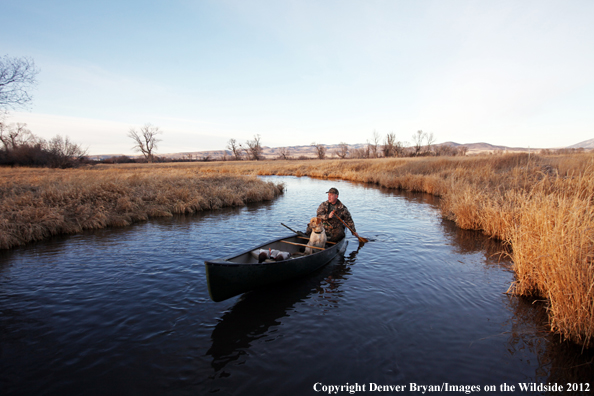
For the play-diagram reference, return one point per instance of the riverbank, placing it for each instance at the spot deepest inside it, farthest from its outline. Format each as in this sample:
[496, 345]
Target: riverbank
[542, 206]
[38, 203]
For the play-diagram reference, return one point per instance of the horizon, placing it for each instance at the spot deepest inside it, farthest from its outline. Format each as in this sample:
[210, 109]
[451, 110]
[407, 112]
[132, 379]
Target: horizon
[507, 73]
[309, 149]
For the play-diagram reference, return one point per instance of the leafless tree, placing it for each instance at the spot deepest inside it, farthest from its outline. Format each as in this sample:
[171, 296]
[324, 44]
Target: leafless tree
[342, 151]
[17, 76]
[363, 152]
[429, 140]
[13, 136]
[400, 148]
[374, 145]
[444, 150]
[389, 146]
[418, 139]
[254, 148]
[320, 150]
[235, 148]
[65, 153]
[284, 153]
[145, 140]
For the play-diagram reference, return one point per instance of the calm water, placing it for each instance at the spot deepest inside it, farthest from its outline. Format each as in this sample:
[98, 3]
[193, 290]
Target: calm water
[126, 311]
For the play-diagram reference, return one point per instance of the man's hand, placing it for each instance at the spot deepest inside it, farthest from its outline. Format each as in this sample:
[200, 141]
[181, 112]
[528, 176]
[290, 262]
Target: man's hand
[331, 215]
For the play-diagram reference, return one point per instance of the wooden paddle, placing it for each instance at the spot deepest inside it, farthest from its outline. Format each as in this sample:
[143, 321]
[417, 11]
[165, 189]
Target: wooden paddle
[304, 236]
[361, 239]
[304, 245]
[296, 232]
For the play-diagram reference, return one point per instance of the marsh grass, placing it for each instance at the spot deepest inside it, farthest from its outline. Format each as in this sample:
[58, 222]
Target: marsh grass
[38, 203]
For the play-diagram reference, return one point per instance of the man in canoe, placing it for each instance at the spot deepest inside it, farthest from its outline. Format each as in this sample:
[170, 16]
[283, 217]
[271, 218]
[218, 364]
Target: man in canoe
[331, 211]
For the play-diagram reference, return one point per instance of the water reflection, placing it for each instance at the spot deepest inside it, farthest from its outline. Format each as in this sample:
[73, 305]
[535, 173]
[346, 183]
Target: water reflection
[471, 241]
[557, 361]
[257, 313]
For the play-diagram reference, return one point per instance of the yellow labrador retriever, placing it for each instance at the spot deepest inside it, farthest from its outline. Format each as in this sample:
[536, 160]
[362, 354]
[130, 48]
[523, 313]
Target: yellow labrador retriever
[318, 235]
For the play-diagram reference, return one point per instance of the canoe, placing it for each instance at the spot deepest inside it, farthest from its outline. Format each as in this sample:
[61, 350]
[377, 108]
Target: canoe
[230, 276]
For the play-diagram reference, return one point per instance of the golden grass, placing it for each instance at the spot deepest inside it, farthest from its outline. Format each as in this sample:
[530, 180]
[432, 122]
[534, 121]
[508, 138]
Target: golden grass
[542, 206]
[38, 203]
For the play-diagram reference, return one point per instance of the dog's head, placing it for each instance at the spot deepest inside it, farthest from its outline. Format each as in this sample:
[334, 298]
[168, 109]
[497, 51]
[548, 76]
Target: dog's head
[316, 225]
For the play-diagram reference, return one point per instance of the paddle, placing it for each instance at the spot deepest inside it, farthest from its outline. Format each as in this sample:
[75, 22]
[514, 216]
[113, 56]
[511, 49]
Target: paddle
[304, 236]
[361, 239]
[296, 232]
[302, 244]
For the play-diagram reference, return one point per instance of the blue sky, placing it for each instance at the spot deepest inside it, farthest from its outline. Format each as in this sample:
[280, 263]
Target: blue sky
[514, 73]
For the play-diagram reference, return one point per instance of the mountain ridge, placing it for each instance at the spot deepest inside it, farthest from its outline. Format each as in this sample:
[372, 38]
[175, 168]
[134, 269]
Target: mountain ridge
[309, 151]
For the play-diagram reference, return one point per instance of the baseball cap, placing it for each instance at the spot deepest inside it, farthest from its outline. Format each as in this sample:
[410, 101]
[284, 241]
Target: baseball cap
[333, 191]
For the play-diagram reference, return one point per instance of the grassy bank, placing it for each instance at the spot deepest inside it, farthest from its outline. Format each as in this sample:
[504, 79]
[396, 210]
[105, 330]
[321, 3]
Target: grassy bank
[38, 203]
[542, 206]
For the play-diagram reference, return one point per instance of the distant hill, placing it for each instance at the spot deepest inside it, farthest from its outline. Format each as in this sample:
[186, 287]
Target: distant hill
[309, 151]
[269, 152]
[586, 144]
[475, 148]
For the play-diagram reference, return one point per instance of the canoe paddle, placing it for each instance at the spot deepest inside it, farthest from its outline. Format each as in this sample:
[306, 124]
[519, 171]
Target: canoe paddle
[296, 232]
[361, 239]
[303, 235]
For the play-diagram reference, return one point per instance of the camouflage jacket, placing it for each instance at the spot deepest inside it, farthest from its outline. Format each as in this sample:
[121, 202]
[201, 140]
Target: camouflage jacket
[334, 228]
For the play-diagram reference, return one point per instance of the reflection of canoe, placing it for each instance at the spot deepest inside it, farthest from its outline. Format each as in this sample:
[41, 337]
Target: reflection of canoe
[230, 276]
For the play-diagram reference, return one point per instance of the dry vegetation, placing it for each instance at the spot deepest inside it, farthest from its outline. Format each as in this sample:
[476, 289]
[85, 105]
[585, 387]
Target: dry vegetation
[38, 203]
[542, 206]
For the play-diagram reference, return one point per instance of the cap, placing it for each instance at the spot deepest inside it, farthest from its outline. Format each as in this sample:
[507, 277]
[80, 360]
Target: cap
[333, 191]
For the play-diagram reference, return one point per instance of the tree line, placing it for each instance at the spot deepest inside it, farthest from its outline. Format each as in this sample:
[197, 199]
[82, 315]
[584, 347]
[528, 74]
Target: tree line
[19, 145]
[388, 146]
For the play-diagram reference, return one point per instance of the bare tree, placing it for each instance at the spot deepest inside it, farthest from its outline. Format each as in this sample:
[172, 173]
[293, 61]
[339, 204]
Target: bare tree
[389, 145]
[429, 139]
[342, 151]
[320, 150]
[145, 140]
[284, 153]
[13, 136]
[254, 148]
[363, 152]
[374, 145]
[418, 142]
[65, 154]
[235, 148]
[17, 75]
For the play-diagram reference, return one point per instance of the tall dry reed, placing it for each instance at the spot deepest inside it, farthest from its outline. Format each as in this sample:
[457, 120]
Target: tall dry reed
[38, 203]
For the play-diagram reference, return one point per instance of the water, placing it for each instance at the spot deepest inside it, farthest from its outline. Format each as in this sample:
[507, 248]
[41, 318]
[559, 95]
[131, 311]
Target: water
[126, 310]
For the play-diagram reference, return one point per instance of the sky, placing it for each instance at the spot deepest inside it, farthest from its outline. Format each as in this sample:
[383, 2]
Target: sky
[512, 73]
